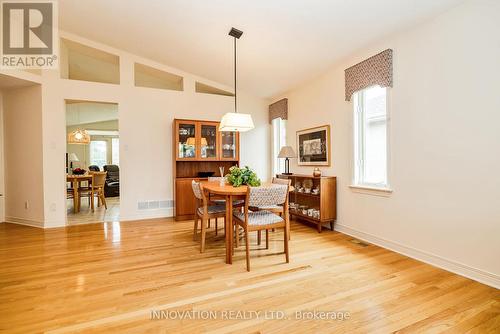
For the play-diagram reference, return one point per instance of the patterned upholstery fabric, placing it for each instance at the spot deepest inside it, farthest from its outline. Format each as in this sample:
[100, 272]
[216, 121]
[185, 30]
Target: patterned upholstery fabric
[278, 109]
[376, 70]
[213, 209]
[270, 195]
[259, 218]
[196, 189]
[223, 202]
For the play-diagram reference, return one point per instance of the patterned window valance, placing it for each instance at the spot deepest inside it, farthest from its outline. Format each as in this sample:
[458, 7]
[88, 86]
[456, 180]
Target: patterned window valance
[278, 109]
[376, 70]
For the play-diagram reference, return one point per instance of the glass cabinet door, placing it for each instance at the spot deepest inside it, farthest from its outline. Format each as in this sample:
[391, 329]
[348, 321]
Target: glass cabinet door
[187, 140]
[229, 145]
[208, 143]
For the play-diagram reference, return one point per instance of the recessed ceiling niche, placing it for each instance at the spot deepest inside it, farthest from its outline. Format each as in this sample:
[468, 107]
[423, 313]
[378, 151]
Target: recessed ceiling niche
[146, 76]
[81, 62]
[206, 89]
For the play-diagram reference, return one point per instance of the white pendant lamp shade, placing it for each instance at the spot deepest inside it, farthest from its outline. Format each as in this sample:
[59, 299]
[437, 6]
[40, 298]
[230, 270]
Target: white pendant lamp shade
[236, 122]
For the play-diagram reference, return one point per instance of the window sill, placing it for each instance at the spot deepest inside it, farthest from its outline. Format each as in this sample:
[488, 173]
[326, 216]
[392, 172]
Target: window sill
[376, 191]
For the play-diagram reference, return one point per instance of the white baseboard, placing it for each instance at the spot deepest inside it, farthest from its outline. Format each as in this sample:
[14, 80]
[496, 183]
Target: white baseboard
[23, 221]
[435, 260]
[149, 214]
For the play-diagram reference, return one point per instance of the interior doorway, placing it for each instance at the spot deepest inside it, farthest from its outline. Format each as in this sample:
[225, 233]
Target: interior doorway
[92, 162]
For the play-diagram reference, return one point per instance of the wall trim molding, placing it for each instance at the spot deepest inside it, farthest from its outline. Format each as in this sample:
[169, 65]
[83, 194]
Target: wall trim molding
[432, 259]
[24, 221]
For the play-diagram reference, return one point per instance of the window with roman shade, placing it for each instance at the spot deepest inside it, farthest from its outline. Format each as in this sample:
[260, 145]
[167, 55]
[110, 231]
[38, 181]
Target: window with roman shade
[278, 109]
[376, 70]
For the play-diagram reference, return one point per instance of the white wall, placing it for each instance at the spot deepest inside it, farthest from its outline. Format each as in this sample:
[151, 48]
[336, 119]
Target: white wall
[2, 183]
[145, 118]
[445, 142]
[23, 155]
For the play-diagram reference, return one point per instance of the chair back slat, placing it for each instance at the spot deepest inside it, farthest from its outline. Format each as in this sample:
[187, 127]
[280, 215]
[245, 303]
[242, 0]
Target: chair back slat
[274, 194]
[277, 180]
[98, 179]
[196, 189]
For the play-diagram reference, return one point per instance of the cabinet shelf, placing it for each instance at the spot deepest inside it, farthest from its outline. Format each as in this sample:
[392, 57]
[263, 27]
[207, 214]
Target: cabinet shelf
[325, 201]
[318, 196]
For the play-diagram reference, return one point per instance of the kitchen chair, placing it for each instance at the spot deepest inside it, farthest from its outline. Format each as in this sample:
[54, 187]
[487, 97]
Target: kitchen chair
[96, 188]
[277, 209]
[205, 212]
[275, 194]
[220, 201]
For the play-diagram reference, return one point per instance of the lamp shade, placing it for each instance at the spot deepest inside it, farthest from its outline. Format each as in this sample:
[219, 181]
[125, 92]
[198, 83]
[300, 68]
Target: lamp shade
[78, 137]
[73, 157]
[236, 122]
[204, 141]
[287, 152]
[191, 141]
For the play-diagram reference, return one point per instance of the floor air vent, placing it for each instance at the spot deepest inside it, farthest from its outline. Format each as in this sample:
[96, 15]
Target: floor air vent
[359, 242]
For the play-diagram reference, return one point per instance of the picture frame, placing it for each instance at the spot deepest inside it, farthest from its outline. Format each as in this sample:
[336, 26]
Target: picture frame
[313, 146]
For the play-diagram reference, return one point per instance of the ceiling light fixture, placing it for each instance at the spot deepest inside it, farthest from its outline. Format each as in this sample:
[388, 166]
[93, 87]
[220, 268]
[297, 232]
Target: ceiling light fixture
[79, 136]
[233, 121]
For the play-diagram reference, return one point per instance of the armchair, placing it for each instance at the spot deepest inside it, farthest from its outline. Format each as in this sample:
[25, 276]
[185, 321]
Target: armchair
[112, 185]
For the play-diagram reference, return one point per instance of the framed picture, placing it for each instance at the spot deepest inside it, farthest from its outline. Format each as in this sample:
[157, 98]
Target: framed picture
[314, 146]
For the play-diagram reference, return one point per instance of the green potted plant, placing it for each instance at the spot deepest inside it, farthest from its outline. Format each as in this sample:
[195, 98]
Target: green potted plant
[240, 176]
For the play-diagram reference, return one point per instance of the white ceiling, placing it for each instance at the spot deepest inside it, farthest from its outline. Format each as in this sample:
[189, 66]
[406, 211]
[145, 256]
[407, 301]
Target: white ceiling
[284, 43]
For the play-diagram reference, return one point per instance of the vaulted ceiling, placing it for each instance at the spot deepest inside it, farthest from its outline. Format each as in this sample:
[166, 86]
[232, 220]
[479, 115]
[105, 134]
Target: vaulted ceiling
[285, 42]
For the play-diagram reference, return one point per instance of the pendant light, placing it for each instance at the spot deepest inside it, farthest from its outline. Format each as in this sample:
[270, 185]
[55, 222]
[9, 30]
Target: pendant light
[234, 121]
[79, 136]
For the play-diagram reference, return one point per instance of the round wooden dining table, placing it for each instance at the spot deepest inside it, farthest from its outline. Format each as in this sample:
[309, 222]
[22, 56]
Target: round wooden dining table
[229, 193]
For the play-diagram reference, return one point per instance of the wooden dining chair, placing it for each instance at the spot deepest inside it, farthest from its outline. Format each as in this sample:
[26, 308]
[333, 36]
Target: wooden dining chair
[95, 189]
[276, 194]
[277, 209]
[204, 212]
[237, 203]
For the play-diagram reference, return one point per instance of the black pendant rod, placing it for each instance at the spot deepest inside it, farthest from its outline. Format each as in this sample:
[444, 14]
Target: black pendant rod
[236, 34]
[235, 105]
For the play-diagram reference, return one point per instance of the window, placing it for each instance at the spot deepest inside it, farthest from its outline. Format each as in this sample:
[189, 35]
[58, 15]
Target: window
[98, 153]
[370, 138]
[115, 151]
[279, 140]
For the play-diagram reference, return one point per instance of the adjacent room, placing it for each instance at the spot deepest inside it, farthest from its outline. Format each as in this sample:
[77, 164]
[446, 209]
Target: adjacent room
[92, 162]
[285, 166]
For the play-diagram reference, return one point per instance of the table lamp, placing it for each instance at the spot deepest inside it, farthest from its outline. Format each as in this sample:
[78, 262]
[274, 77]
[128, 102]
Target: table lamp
[287, 152]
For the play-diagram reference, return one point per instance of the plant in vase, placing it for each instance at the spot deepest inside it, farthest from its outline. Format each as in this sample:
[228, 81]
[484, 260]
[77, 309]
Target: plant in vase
[239, 176]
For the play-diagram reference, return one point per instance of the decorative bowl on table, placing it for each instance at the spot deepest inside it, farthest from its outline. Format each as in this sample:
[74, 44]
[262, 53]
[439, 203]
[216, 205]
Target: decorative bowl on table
[79, 171]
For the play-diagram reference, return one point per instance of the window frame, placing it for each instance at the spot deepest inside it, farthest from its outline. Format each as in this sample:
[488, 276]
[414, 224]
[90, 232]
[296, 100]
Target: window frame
[357, 185]
[278, 163]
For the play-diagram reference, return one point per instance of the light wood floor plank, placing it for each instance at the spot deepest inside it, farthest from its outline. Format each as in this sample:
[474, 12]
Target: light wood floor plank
[102, 278]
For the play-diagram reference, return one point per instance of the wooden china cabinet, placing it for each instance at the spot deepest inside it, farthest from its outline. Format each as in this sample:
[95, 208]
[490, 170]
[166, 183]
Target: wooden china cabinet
[199, 148]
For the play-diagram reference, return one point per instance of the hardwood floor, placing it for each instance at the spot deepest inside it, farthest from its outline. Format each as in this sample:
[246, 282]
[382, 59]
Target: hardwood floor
[100, 214]
[107, 278]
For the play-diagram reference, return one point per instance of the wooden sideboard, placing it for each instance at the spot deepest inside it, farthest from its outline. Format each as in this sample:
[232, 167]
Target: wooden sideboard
[199, 146]
[325, 201]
